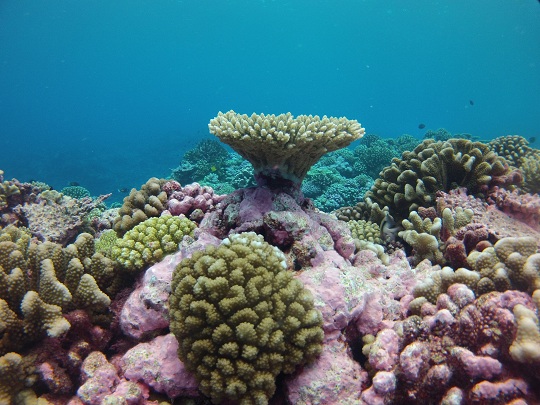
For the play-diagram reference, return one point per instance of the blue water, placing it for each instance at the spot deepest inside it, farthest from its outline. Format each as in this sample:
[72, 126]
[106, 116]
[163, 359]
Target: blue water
[110, 93]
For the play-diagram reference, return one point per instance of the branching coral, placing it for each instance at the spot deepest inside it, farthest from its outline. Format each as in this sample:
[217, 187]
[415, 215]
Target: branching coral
[39, 282]
[140, 205]
[412, 181]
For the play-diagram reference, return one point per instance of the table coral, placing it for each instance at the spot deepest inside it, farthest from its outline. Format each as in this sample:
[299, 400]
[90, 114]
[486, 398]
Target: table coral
[283, 146]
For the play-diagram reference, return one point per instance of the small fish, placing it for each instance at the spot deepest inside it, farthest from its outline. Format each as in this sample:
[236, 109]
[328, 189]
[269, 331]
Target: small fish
[74, 183]
[421, 126]
[123, 190]
[532, 139]
[471, 102]
[213, 168]
[389, 228]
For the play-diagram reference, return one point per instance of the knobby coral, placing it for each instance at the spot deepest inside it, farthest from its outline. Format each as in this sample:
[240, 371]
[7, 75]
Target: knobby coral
[241, 318]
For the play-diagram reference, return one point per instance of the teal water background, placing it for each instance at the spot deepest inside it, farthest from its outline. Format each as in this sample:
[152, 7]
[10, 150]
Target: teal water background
[110, 93]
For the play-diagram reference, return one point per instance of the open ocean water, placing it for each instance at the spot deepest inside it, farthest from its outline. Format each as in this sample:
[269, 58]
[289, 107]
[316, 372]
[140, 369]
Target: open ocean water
[110, 93]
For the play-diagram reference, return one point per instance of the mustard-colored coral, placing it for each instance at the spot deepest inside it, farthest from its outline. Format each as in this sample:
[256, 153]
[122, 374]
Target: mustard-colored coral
[39, 282]
[150, 241]
[423, 236]
[140, 205]
[241, 319]
[526, 346]
[283, 146]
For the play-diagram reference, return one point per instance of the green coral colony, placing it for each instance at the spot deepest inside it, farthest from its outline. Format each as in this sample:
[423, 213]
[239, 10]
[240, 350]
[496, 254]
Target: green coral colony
[241, 318]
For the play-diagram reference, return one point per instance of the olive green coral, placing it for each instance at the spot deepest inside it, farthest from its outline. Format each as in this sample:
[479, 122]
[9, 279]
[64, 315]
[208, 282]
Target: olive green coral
[241, 319]
[140, 205]
[150, 241]
[511, 264]
[412, 181]
[284, 146]
[39, 282]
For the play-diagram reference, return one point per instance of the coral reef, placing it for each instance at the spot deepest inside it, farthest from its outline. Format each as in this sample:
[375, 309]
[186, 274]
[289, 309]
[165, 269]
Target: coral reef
[263, 298]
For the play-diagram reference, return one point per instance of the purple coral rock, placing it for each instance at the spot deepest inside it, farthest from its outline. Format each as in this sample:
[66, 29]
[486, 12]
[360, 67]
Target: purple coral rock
[384, 351]
[333, 378]
[100, 378]
[476, 367]
[156, 364]
[492, 392]
[384, 382]
[414, 360]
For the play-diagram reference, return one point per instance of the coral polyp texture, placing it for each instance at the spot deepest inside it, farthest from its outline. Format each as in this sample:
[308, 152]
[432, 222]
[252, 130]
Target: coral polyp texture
[412, 181]
[140, 205]
[283, 146]
[150, 241]
[241, 319]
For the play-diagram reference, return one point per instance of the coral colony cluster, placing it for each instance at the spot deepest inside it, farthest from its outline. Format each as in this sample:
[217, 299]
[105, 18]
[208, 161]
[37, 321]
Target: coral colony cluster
[397, 272]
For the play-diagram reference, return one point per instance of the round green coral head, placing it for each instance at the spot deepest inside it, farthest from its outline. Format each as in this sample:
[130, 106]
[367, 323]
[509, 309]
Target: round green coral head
[241, 318]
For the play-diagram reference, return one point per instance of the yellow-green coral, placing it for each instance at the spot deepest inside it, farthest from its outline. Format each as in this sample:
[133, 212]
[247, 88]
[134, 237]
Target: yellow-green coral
[106, 242]
[513, 148]
[150, 241]
[365, 230]
[241, 319]
[526, 346]
[282, 145]
[530, 166]
[16, 374]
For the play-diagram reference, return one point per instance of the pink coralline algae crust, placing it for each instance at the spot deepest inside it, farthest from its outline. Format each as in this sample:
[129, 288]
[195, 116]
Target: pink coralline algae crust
[146, 310]
[333, 378]
[499, 224]
[156, 364]
[99, 379]
[192, 200]
[523, 207]
[102, 385]
[286, 221]
[367, 295]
